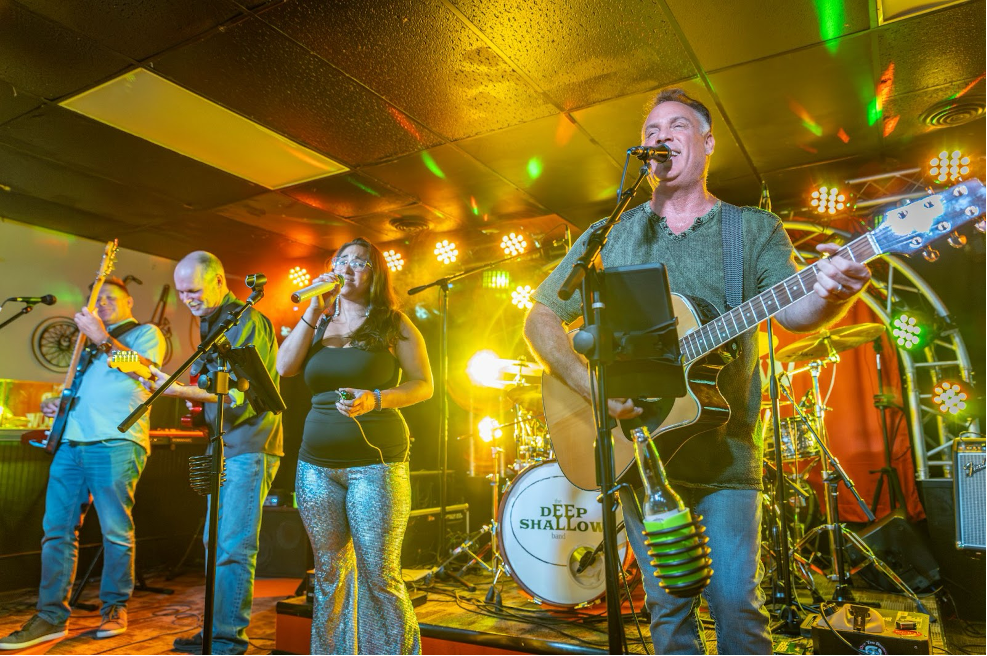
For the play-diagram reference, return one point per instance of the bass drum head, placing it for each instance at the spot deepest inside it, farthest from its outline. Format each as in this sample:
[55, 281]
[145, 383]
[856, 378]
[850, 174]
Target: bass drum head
[545, 526]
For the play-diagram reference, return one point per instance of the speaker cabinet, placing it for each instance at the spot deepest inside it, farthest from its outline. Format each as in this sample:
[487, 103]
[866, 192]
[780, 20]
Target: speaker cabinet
[285, 551]
[903, 548]
[970, 492]
[422, 539]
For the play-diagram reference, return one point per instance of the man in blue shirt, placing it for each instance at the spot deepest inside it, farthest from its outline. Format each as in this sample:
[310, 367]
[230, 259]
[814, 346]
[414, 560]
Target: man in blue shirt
[252, 449]
[97, 465]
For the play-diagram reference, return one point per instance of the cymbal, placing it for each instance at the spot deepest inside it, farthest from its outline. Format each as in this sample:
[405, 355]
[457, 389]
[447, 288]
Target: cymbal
[762, 343]
[818, 345]
[526, 396]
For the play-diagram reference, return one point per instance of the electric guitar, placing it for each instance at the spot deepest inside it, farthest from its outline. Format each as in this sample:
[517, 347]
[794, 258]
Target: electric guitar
[70, 389]
[571, 424]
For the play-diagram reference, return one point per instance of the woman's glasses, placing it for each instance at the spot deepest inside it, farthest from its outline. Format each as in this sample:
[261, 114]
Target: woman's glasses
[354, 263]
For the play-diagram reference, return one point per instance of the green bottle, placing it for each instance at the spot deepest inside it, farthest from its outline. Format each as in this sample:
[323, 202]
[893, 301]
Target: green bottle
[675, 541]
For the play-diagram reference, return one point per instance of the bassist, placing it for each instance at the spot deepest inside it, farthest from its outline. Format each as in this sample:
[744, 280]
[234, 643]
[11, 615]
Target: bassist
[95, 465]
[718, 473]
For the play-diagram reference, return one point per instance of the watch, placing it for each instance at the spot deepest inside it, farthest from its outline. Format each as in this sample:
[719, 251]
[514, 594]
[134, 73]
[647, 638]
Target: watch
[106, 345]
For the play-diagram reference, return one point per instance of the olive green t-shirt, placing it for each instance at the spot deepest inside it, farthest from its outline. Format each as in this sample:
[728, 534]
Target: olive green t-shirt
[729, 456]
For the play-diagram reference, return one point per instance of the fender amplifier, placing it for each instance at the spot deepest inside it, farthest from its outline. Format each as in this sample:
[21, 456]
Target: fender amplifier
[970, 492]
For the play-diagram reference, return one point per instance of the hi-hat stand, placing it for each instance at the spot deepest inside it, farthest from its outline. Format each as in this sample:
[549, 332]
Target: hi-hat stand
[832, 475]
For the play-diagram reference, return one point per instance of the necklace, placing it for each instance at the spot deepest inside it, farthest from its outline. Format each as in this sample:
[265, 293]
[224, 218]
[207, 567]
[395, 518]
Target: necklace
[336, 312]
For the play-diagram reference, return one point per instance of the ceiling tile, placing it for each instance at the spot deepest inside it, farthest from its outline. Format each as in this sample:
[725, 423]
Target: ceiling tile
[56, 216]
[261, 74]
[905, 111]
[26, 174]
[14, 102]
[583, 51]
[459, 186]
[802, 102]
[616, 126]
[384, 224]
[48, 60]
[137, 28]
[724, 33]
[349, 194]
[554, 164]
[58, 134]
[436, 68]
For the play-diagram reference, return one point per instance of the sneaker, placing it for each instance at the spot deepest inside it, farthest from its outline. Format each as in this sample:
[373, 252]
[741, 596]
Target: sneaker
[190, 644]
[114, 622]
[35, 631]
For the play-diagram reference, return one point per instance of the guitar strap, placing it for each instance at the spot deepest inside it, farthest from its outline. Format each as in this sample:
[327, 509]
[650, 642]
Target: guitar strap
[732, 227]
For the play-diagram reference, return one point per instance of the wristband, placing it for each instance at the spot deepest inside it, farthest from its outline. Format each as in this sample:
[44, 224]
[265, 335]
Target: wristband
[307, 323]
[377, 401]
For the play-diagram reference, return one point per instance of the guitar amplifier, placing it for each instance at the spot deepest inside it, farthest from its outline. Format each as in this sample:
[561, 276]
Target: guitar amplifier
[970, 492]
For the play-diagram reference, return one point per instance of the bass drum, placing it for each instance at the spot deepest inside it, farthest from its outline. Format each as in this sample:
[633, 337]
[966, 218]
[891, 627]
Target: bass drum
[546, 526]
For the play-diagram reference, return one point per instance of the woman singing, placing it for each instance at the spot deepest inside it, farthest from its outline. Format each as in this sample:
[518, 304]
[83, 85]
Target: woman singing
[353, 485]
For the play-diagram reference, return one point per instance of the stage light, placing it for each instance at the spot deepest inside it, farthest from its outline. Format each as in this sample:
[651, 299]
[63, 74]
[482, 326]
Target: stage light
[911, 330]
[828, 200]
[445, 251]
[484, 368]
[521, 297]
[299, 277]
[495, 279]
[949, 167]
[950, 398]
[394, 260]
[513, 244]
[489, 429]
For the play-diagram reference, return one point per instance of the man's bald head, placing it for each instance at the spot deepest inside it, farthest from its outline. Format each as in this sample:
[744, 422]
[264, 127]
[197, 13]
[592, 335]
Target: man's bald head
[200, 281]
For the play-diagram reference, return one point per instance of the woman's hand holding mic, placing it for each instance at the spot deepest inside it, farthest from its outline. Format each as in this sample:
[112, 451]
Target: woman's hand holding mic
[355, 402]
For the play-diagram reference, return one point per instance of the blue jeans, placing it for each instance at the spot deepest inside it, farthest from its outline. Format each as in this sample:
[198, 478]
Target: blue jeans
[103, 474]
[241, 500]
[733, 524]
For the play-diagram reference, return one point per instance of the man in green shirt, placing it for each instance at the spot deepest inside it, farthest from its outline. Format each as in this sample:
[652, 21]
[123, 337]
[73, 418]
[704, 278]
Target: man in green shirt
[718, 474]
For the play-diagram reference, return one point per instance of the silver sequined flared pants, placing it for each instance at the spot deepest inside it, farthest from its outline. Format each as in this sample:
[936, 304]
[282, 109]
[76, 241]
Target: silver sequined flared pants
[356, 519]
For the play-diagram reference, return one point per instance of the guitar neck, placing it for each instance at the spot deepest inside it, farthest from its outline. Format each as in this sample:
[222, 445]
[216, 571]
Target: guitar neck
[742, 318]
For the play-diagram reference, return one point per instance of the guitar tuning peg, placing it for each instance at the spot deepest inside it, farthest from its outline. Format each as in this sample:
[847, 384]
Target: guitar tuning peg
[930, 254]
[956, 240]
[981, 225]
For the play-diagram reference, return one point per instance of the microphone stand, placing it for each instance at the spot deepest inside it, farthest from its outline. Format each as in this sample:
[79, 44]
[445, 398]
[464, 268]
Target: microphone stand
[597, 345]
[24, 310]
[218, 383]
[444, 284]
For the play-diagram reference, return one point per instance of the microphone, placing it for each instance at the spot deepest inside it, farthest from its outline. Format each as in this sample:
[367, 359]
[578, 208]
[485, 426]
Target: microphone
[47, 299]
[659, 153]
[317, 289]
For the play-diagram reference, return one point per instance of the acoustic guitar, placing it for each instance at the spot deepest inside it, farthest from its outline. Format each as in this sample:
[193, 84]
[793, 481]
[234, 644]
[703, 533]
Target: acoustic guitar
[705, 344]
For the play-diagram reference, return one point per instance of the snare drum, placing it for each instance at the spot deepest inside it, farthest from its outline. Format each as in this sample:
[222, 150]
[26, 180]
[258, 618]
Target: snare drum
[796, 440]
[546, 525]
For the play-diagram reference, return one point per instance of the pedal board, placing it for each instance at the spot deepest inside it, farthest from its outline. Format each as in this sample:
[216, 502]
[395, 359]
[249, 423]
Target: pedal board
[869, 631]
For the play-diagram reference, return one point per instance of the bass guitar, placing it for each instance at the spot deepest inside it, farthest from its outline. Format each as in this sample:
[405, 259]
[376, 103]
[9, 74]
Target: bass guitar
[571, 424]
[52, 437]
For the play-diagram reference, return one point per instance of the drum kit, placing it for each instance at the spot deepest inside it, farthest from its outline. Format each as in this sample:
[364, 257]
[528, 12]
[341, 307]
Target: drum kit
[546, 533]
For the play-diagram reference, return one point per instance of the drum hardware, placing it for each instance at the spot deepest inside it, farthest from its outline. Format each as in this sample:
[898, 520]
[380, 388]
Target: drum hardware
[895, 496]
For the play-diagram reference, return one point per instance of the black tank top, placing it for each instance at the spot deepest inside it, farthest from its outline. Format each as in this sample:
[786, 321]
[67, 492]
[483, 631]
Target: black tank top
[332, 439]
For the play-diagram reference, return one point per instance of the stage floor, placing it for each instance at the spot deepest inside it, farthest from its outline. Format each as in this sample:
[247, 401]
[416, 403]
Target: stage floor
[451, 614]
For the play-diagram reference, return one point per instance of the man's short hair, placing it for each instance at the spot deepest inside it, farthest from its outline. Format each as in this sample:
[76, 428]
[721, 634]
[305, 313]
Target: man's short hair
[116, 282]
[674, 94]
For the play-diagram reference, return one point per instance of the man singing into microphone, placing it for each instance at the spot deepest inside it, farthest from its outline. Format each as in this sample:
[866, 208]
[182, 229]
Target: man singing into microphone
[253, 450]
[717, 473]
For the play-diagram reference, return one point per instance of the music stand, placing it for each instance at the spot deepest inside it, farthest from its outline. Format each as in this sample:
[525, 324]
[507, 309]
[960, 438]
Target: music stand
[596, 341]
[206, 472]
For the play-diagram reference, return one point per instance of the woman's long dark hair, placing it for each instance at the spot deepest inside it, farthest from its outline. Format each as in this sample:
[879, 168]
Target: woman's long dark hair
[382, 329]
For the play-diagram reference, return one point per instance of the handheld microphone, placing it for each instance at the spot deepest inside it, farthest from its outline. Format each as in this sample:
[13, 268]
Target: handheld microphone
[317, 289]
[47, 299]
[659, 153]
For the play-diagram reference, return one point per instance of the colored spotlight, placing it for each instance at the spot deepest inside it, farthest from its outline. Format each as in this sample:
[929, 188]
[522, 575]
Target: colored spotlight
[521, 297]
[299, 277]
[513, 244]
[949, 167]
[911, 331]
[489, 429]
[483, 369]
[828, 200]
[496, 279]
[394, 260]
[446, 252]
[950, 398]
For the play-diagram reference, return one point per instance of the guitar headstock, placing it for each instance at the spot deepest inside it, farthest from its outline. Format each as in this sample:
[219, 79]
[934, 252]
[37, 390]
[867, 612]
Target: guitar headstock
[128, 362]
[912, 227]
[109, 260]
